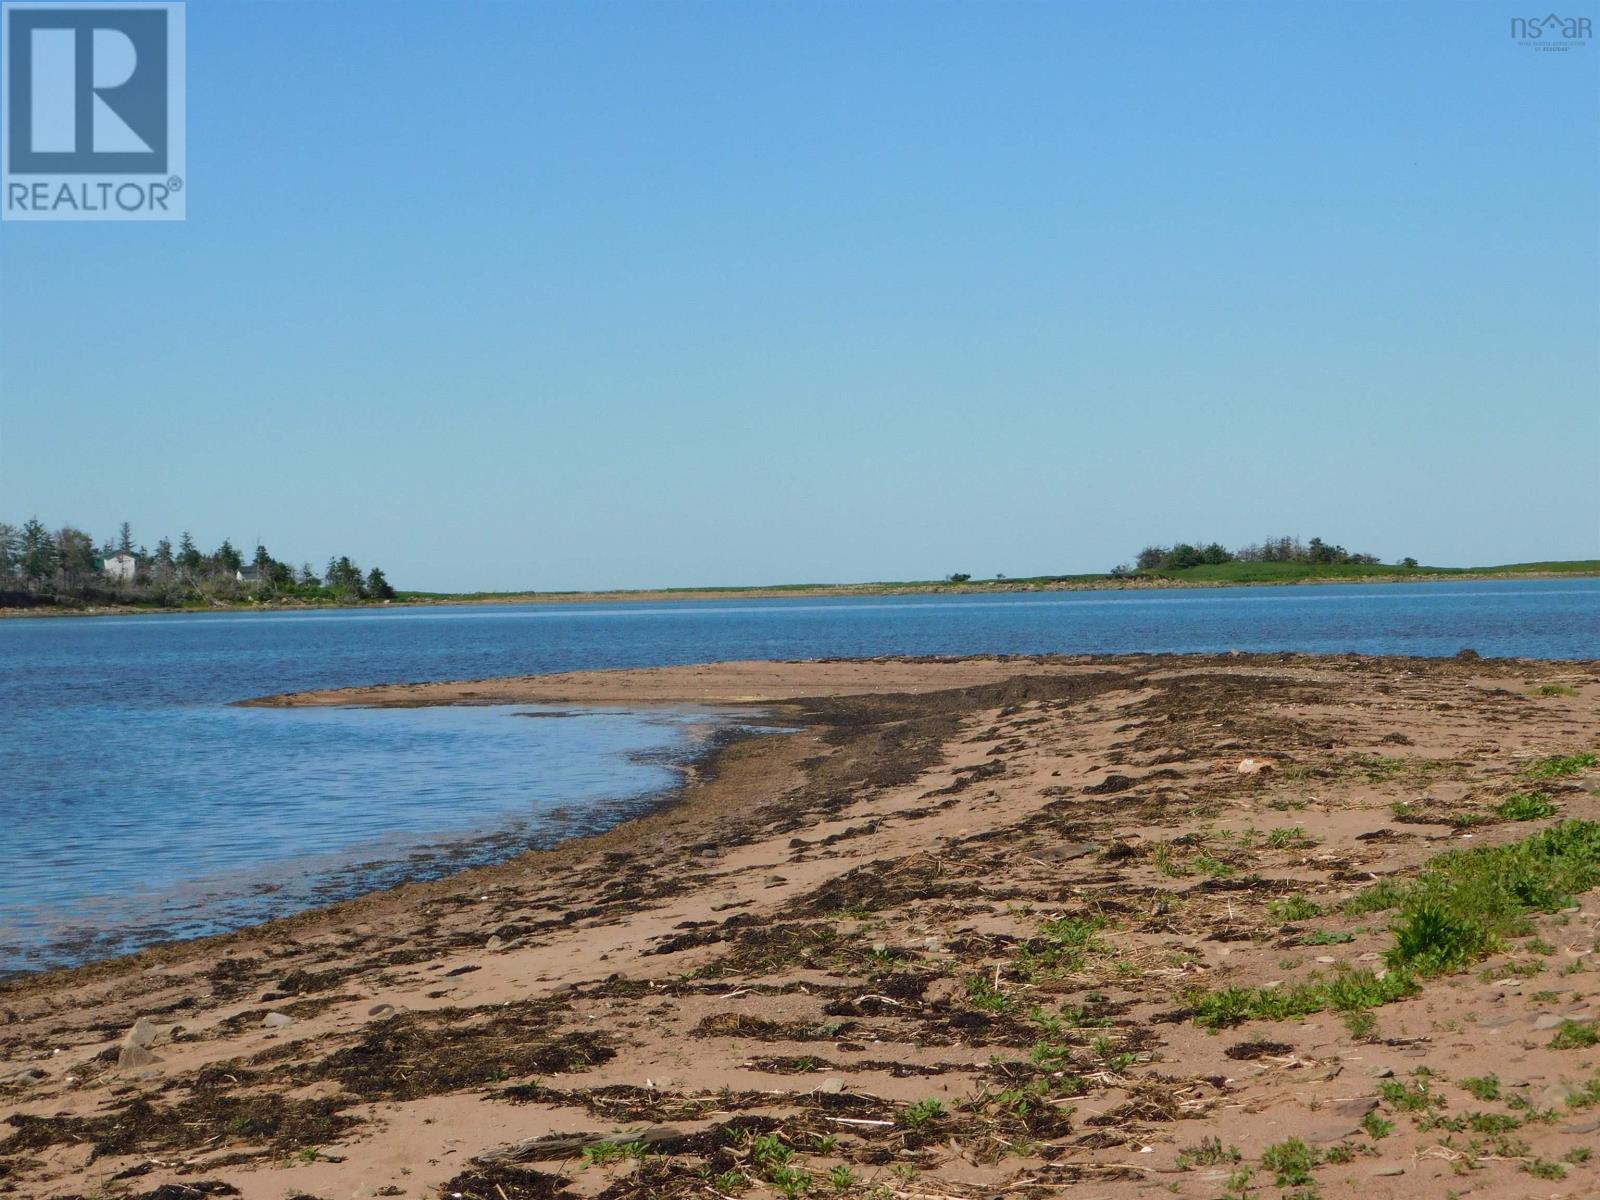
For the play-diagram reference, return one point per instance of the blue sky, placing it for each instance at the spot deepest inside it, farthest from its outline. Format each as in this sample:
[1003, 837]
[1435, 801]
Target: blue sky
[578, 295]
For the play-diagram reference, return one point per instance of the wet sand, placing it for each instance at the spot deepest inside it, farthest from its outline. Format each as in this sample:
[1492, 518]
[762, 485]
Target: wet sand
[997, 884]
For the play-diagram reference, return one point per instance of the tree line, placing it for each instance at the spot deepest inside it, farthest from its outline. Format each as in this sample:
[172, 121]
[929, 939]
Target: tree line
[38, 564]
[1182, 555]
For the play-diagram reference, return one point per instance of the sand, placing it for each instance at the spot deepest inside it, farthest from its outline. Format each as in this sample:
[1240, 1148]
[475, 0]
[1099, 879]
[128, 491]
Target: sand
[998, 885]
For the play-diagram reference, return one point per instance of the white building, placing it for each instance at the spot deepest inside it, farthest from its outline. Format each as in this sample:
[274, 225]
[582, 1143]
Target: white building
[120, 567]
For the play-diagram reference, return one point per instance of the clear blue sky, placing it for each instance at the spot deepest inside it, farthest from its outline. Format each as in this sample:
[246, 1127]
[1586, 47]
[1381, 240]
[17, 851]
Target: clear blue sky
[566, 294]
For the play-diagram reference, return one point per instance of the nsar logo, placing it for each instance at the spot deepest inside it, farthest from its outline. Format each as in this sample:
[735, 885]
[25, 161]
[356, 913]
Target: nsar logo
[1551, 32]
[92, 112]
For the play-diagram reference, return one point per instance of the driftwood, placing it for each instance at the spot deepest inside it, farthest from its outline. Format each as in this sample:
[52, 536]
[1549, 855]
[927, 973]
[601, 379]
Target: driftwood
[565, 1145]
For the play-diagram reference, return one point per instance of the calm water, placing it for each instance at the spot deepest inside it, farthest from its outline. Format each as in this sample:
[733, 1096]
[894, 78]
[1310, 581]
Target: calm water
[136, 804]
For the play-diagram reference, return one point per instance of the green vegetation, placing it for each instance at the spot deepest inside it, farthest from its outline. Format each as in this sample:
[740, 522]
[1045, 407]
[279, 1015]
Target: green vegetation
[1347, 991]
[1363, 1026]
[40, 568]
[1482, 1087]
[984, 996]
[1288, 560]
[1576, 1035]
[603, 1153]
[915, 1116]
[1413, 1097]
[1554, 689]
[1291, 1162]
[1558, 766]
[1377, 1126]
[1294, 908]
[1526, 806]
[1061, 946]
[1467, 901]
[1209, 1153]
[1459, 909]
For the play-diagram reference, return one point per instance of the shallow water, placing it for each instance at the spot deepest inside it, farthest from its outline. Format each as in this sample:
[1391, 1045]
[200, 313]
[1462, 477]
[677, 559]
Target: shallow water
[136, 804]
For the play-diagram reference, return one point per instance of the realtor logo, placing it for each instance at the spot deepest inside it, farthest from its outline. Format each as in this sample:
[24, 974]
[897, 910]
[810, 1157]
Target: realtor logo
[91, 111]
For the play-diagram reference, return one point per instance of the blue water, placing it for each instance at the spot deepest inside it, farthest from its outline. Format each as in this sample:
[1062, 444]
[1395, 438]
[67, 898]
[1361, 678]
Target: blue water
[136, 804]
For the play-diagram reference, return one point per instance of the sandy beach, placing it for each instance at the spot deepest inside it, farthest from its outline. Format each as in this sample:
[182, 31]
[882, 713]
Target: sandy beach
[968, 931]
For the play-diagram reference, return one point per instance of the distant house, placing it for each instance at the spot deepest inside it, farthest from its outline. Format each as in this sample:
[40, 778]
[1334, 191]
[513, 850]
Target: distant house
[250, 574]
[120, 567]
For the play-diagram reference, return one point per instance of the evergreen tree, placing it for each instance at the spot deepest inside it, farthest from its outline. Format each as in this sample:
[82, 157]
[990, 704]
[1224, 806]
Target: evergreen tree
[75, 556]
[188, 556]
[228, 559]
[343, 575]
[125, 539]
[38, 553]
[378, 587]
[263, 564]
[10, 550]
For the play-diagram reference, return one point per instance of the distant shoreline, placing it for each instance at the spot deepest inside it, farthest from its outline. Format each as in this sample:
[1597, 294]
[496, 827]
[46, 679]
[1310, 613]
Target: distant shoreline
[1098, 583]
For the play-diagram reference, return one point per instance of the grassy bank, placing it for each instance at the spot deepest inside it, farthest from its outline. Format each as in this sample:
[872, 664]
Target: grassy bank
[1211, 575]
[1218, 575]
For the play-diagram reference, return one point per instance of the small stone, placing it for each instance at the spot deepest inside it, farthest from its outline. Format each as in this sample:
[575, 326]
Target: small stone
[135, 1056]
[1383, 1072]
[276, 1020]
[1388, 1170]
[23, 1075]
[381, 1010]
[1557, 1095]
[145, 1032]
[1547, 1021]
[495, 942]
[1327, 959]
[1592, 1125]
[833, 1084]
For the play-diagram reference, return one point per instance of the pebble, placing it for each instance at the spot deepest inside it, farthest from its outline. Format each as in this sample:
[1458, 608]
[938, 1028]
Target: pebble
[145, 1032]
[135, 1056]
[1390, 1170]
[381, 1010]
[1383, 1072]
[1547, 1021]
[276, 1020]
[1556, 1095]
[23, 1075]
[1592, 1125]
[833, 1084]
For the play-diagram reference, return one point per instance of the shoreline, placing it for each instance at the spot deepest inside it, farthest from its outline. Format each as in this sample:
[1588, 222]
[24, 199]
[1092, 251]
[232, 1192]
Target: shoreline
[794, 937]
[787, 592]
[367, 872]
